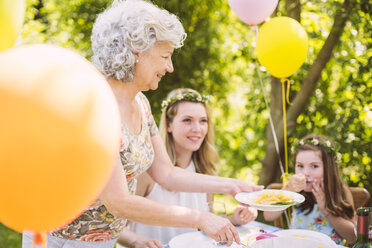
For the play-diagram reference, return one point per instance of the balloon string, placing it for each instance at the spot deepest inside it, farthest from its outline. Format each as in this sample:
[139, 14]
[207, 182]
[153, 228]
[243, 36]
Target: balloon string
[286, 80]
[285, 176]
[44, 241]
[256, 33]
[288, 215]
[39, 239]
[288, 87]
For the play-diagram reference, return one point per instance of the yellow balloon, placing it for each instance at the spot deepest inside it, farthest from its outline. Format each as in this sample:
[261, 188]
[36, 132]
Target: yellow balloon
[60, 135]
[282, 46]
[11, 19]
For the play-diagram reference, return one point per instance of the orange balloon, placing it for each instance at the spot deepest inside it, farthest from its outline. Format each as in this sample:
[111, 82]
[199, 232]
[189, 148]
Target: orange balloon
[60, 131]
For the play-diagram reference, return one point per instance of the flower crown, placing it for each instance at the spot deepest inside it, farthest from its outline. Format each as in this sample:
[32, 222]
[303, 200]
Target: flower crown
[316, 142]
[186, 96]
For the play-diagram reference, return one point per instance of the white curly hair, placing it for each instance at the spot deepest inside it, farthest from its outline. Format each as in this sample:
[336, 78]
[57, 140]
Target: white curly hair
[131, 26]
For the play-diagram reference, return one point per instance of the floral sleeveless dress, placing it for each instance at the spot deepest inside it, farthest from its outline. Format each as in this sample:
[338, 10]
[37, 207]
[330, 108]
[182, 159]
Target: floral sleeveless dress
[315, 221]
[137, 155]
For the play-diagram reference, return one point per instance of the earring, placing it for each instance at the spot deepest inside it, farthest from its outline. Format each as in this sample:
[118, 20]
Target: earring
[137, 61]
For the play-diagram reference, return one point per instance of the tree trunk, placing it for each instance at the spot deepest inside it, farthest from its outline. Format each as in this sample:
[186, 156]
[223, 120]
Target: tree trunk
[271, 172]
[293, 8]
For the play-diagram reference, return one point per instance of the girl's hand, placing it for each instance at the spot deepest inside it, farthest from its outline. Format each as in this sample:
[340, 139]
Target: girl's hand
[318, 191]
[218, 228]
[243, 214]
[296, 183]
[147, 243]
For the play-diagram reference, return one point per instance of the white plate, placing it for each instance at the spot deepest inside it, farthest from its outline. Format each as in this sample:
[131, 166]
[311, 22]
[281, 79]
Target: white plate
[291, 242]
[195, 239]
[249, 197]
[307, 234]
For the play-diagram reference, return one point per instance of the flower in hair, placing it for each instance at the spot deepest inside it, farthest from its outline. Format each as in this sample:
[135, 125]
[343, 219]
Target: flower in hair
[315, 142]
[193, 97]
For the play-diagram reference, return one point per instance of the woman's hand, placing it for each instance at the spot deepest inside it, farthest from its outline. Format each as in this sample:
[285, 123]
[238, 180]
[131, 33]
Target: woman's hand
[131, 239]
[296, 183]
[243, 214]
[218, 228]
[318, 191]
[237, 186]
[147, 243]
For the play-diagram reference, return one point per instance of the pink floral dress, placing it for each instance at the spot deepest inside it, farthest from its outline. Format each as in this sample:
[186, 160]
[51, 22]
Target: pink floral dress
[137, 155]
[315, 221]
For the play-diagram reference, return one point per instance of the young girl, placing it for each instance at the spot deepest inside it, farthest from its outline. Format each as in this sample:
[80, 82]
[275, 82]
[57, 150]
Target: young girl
[328, 205]
[186, 129]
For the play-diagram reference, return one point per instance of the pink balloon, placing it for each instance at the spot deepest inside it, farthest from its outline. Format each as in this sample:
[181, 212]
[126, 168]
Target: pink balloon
[253, 12]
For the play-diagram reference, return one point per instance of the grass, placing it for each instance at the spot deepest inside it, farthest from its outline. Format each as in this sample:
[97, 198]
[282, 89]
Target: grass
[9, 238]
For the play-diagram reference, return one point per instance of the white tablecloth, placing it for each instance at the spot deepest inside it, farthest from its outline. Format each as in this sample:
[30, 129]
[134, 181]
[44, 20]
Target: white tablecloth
[247, 233]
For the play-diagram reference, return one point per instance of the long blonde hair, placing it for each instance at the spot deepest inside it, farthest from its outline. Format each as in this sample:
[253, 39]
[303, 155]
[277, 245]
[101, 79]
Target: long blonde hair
[206, 157]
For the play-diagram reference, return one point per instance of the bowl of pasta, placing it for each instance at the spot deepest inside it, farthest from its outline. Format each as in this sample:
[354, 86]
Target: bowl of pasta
[270, 199]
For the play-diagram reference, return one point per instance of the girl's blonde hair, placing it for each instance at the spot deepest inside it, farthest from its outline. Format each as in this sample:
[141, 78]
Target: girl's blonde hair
[205, 158]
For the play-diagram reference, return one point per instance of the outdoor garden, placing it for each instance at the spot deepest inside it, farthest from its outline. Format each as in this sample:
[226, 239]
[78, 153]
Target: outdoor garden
[259, 108]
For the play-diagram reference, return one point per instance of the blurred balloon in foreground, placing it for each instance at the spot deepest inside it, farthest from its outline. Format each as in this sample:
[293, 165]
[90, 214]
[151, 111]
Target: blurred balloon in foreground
[282, 46]
[253, 12]
[12, 13]
[59, 134]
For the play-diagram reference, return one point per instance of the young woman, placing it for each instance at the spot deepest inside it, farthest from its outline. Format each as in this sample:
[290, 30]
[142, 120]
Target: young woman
[328, 205]
[132, 43]
[187, 131]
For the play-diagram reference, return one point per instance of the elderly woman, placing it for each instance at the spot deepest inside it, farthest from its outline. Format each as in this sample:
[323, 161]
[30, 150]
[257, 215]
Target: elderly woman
[133, 42]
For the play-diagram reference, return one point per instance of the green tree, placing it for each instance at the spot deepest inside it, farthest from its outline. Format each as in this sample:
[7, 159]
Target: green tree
[332, 91]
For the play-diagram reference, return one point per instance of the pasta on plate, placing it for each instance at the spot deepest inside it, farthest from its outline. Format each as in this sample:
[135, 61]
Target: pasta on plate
[271, 197]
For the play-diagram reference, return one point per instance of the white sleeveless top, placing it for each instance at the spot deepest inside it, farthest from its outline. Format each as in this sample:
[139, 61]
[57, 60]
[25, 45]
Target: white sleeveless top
[184, 199]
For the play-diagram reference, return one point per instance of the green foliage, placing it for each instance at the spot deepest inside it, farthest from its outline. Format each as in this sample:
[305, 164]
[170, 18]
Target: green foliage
[199, 64]
[341, 106]
[64, 23]
[219, 59]
[9, 238]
